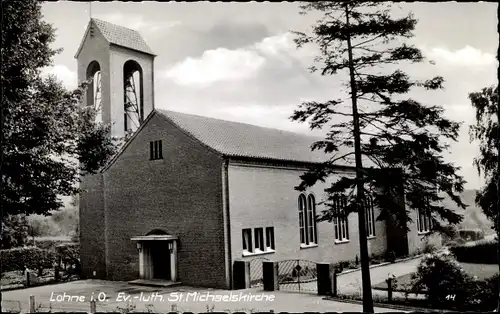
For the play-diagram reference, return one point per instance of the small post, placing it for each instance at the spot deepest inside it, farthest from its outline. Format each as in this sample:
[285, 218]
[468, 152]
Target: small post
[324, 278]
[270, 276]
[241, 275]
[32, 304]
[334, 282]
[389, 289]
[92, 307]
[27, 275]
[57, 274]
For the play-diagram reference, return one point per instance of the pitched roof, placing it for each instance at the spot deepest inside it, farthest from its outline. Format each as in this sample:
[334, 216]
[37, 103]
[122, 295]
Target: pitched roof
[119, 35]
[236, 139]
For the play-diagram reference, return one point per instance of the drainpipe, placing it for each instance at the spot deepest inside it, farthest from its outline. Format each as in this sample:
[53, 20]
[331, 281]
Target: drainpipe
[225, 201]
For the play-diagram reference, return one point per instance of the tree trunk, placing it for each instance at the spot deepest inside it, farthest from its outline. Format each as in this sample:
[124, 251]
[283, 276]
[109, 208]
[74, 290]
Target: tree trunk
[360, 195]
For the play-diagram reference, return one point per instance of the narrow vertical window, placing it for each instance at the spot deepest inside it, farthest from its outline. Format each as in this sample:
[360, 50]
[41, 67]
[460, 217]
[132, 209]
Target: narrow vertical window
[270, 238]
[340, 222]
[302, 219]
[247, 240]
[259, 239]
[369, 217]
[156, 149]
[311, 210]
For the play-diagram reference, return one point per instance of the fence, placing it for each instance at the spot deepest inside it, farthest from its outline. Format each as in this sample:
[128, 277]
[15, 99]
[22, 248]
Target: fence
[256, 273]
[297, 275]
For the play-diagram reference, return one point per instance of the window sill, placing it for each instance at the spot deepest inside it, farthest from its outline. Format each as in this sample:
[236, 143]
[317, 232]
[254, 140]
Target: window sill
[341, 241]
[423, 232]
[371, 237]
[308, 246]
[246, 253]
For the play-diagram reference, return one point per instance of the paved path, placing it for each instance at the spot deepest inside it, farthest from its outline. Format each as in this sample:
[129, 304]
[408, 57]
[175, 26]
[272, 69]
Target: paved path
[283, 301]
[350, 283]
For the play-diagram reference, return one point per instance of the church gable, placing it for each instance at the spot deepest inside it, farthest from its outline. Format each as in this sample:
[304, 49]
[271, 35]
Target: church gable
[158, 141]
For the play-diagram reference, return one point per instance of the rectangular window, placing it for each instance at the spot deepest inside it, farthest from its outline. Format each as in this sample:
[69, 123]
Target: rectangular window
[340, 223]
[155, 150]
[259, 239]
[270, 238]
[423, 221]
[369, 218]
[247, 240]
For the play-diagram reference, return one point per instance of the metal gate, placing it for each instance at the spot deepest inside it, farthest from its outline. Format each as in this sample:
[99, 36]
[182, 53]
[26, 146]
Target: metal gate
[297, 275]
[256, 273]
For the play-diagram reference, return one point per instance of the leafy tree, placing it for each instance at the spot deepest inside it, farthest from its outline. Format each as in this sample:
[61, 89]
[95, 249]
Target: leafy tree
[48, 138]
[15, 231]
[485, 131]
[398, 136]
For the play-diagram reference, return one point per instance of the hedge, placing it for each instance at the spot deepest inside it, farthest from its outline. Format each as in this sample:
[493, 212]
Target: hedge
[68, 252]
[471, 234]
[480, 253]
[50, 244]
[34, 258]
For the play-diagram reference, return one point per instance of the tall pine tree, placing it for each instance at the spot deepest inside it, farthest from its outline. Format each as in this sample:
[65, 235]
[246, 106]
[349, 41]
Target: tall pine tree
[399, 136]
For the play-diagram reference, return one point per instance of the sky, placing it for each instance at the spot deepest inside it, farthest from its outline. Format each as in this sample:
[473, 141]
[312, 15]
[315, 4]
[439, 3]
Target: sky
[238, 61]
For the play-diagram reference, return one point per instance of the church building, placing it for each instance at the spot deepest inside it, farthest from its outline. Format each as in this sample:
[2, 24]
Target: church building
[188, 195]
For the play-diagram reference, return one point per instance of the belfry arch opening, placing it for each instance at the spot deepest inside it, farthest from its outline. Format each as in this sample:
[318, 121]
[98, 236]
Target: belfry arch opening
[94, 89]
[133, 97]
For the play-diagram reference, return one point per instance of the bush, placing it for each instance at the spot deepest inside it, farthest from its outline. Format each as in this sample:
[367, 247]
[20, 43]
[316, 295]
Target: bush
[440, 276]
[471, 234]
[50, 244]
[429, 248]
[34, 258]
[481, 253]
[485, 294]
[68, 252]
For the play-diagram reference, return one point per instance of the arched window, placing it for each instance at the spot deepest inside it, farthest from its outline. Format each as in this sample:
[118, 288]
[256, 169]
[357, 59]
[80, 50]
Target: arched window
[369, 217]
[307, 220]
[94, 89]
[133, 96]
[311, 219]
[302, 219]
[340, 221]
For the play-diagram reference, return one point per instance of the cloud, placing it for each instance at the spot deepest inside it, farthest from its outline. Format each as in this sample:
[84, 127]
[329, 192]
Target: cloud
[137, 22]
[274, 45]
[216, 65]
[224, 64]
[63, 74]
[467, 56]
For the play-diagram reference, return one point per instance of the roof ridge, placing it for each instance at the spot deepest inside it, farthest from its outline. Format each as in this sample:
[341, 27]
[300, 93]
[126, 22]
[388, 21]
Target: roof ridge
[164, 111]
[116, 25]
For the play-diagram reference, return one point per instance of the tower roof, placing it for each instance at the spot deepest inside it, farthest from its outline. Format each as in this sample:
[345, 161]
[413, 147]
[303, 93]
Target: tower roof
[119, 36]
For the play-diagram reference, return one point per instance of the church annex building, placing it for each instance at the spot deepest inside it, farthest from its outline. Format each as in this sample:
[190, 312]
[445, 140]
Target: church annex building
[188, 195]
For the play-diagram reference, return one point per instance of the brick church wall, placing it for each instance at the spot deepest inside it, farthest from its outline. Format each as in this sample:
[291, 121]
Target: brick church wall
[181, 194]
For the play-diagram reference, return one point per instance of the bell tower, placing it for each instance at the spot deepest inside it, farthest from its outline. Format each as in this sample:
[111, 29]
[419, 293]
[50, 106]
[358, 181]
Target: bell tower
[120, 65]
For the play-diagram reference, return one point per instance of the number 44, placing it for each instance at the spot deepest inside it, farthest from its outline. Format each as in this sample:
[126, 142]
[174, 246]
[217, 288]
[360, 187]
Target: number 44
[450, 297]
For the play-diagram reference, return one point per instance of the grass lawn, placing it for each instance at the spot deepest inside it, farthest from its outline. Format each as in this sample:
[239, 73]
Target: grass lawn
[482, 271]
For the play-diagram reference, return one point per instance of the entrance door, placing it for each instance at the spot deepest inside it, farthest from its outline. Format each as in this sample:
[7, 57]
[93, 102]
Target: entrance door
[160, 256]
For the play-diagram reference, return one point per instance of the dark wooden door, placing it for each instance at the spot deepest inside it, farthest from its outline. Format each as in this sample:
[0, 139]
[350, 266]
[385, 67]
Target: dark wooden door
[160, 255]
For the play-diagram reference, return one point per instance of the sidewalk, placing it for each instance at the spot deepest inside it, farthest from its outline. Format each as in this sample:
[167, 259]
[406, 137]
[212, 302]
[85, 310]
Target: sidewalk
[282, 301]
[350, 283]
